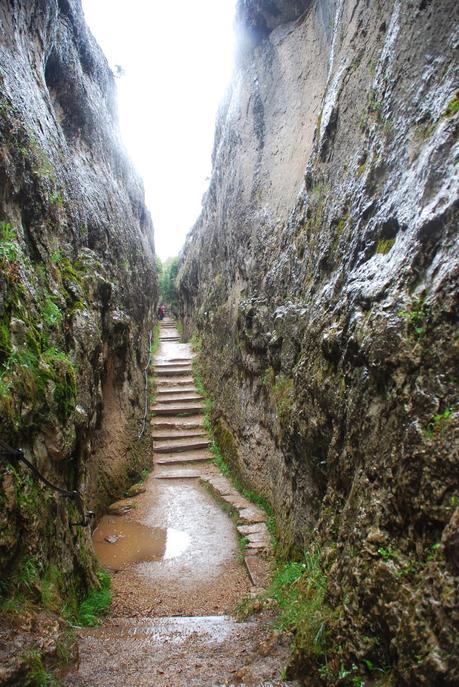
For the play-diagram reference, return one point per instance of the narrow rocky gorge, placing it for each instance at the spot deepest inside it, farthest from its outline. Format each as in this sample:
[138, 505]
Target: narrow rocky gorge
[320, 287]
[322, 276]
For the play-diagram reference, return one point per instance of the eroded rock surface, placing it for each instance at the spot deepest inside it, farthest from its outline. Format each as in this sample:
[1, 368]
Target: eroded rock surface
[323, 271]
[77, 285]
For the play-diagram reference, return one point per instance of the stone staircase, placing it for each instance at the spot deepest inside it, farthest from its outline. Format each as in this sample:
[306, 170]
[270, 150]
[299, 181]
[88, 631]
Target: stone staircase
[180, 441]
[202, 651]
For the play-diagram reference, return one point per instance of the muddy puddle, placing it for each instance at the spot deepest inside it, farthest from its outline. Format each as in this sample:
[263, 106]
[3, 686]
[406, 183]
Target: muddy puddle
[120, 542]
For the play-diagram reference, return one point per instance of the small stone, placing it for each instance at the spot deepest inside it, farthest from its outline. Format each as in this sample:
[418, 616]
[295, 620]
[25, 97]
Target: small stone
[136, 489]
[375, 536]
[121, 507]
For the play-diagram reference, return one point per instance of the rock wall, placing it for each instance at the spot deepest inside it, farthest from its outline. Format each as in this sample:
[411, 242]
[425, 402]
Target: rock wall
[77, 293]
[322, 275]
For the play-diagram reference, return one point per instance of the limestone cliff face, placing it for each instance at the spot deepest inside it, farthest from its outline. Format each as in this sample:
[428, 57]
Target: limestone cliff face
[324, 272]
[77, 286]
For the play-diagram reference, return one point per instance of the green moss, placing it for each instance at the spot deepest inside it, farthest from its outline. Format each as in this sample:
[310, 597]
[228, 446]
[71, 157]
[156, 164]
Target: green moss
[384, 246]
[63, 374]
[282, 390]
[284, 395]
[56, 257]
[56, 198]
[268, 377]
[30, 584]
[361, 169]
[5, 340]
[453, 106]
[51, 589]
[196, 343]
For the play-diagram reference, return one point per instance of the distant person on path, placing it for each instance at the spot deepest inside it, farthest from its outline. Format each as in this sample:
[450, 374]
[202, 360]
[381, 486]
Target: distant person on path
[161, 312]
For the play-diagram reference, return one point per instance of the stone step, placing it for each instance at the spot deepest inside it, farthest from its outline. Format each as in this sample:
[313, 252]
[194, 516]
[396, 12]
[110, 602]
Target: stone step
[172, 382]
[178, 474]
[187, 422]
[179, 445]
[169, 371]
[184, 457]
[182, 389]
[179, 651]
[179, 397]
[177, 410]
[172, 433]
[170, 363]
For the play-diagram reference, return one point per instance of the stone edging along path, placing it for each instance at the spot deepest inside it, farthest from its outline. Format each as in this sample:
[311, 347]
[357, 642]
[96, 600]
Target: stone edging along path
[180, 441]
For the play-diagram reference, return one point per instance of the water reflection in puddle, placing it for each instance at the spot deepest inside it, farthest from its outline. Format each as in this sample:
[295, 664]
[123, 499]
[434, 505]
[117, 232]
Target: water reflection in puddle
[119, 542]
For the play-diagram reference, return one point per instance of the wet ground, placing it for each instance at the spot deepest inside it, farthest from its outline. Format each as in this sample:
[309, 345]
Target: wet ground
[177, 570]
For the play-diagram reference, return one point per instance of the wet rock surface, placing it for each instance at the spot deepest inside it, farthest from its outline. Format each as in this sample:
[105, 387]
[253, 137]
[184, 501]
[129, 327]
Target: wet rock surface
[322, 275]
[77, 289]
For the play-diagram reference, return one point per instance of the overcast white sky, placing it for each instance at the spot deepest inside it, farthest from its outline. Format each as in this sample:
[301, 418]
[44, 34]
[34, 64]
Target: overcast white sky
[177, 58]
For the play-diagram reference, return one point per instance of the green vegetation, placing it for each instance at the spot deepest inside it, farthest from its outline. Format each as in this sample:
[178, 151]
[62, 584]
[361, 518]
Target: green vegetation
[37, 675]
[167, 272]
[299, 589]
[56, 199]
[51, 313]
[10, 251]
[416, 316]
[453, 106]
[283, 392]
[387, 554]
[384, 246]
[31, 584]
[97, 603]
[196, 343]
[36, 368]
[437, 424]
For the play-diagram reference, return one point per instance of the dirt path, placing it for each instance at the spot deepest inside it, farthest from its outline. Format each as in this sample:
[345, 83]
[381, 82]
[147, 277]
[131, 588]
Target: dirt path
[176, 564]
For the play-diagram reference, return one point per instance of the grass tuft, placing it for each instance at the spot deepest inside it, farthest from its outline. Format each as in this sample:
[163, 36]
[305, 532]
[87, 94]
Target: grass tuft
[97, 603]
